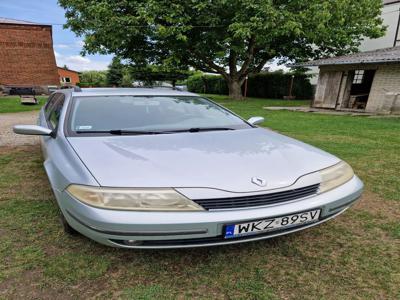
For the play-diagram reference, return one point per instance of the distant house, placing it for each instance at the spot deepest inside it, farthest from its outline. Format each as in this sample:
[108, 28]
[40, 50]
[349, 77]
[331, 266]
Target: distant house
[366, 81]
[68, 77]
[26, 56]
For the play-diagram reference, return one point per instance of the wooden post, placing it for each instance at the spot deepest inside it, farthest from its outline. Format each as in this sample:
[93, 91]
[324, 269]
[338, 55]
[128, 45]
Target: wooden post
[291, 86]
[245, 86]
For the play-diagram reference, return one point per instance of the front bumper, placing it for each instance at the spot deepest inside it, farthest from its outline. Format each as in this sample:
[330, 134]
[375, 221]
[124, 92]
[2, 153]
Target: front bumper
[194, 229]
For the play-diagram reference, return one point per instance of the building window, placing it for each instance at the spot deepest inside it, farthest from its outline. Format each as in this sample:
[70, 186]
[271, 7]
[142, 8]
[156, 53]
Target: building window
[358, 77]
[66, 79]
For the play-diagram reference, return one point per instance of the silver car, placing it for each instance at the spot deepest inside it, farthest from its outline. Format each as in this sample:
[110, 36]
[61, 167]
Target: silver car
[161, 168]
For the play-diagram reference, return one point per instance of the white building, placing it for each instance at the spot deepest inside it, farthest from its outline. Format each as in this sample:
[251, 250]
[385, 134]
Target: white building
[391, 18]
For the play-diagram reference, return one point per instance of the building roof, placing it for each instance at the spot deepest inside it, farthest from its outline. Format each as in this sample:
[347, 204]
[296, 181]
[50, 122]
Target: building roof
[386, 55]
[19, 22]
[62, 68]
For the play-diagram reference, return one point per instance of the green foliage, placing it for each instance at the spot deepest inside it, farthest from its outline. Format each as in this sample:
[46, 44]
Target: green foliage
[263, 85]
[232, 38]
[150, 73]
[115, 72]
[211, 84]
[277, 84]
[93, 78]
[127, 79]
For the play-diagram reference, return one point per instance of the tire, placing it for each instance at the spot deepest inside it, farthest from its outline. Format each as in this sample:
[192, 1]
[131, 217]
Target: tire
[66, 227]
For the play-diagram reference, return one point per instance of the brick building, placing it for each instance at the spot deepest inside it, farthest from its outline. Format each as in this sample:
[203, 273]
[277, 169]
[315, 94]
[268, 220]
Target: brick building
[68, 77]
[26, 56]
[367, 81]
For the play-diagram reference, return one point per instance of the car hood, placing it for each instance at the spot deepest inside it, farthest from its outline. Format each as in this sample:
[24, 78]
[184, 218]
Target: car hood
[226, 160]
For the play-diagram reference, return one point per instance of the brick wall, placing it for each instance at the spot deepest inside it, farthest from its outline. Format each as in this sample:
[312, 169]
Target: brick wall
[27, 56]
[386, 80]
[74, 76]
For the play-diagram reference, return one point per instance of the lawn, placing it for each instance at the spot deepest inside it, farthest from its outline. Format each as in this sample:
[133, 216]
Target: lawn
[355, 256]
[11, 104]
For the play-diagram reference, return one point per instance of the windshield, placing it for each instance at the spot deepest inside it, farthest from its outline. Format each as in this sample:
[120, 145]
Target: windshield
[149, 113]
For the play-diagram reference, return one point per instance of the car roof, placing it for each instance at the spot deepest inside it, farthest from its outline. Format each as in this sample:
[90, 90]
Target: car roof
[126, 92]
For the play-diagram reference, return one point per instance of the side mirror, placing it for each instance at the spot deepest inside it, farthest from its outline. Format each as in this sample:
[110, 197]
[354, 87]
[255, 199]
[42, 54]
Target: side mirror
[32, 130]
[255, 120]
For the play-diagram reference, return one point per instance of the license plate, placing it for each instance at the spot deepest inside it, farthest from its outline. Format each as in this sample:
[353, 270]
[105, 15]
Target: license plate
[262, 226]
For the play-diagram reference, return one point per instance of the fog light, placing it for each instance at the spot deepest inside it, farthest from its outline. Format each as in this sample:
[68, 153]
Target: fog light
[132, 242]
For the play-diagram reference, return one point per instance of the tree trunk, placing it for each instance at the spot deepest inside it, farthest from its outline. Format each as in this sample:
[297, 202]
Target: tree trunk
[235, 89]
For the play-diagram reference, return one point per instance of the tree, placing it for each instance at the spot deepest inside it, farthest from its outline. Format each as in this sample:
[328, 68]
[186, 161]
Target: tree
[93, 78]
[233, 38]
[150, 74]
[127, 79]
[115, 72]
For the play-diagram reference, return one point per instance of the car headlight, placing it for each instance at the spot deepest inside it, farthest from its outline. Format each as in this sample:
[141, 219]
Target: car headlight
[335, 176]
[162, 199]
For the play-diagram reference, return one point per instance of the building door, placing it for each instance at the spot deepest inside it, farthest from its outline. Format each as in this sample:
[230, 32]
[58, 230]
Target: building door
[328, 88]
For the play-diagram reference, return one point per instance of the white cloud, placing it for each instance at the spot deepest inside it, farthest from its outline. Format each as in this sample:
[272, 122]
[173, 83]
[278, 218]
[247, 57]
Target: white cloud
[275, 66]
[80, 43]
[80, 63]
[61, 46]
[77, 59]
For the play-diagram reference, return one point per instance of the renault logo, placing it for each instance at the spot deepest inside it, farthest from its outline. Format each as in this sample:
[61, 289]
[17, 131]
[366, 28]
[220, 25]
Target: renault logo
[259, 181]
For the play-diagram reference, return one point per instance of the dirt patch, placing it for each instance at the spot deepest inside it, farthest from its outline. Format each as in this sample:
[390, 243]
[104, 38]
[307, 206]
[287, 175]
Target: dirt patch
[8, 120]
[376, 205]
[28, 286]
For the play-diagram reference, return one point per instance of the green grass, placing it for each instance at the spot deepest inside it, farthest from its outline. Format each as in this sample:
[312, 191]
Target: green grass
[258, 102]
[355, 256]
[12, 104]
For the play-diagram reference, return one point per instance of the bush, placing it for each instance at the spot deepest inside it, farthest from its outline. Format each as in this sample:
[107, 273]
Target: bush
[93, 78]
[263, 85]
[210, 84]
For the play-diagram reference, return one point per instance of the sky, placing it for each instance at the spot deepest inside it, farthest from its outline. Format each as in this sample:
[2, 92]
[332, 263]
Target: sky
[67, 45]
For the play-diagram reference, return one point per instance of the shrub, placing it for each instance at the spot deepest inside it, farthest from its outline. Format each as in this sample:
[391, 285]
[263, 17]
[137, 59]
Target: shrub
[263, 85]
[210, 84]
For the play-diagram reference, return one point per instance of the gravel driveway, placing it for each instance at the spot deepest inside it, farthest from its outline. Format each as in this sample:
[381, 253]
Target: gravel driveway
[8, 120]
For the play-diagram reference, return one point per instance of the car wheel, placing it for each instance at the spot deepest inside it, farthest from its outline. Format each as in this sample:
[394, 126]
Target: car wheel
[67, 228]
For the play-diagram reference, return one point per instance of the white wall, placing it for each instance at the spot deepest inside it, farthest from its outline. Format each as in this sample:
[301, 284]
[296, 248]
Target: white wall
[390, 15]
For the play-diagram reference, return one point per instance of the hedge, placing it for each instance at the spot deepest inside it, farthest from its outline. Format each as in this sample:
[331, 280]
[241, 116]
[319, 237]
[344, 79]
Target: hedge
[263, 85]
[208, 84]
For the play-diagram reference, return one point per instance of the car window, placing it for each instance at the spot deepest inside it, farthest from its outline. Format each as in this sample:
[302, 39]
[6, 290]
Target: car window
[50, 102]
[55, 111]
[158, 113]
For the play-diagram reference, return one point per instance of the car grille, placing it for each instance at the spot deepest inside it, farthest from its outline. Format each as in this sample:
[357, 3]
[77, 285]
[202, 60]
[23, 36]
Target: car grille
[258, 200]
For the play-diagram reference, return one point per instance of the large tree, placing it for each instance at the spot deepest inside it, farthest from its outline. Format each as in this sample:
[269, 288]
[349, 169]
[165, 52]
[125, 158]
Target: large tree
[231, 37]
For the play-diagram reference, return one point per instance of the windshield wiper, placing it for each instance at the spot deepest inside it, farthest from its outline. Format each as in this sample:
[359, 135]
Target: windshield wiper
[199, 129]
[121, 131]
[139, 132]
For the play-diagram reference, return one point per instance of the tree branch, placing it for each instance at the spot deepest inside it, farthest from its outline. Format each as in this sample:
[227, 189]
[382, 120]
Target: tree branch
[209, 63]
[250, 56]
[258, 68]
